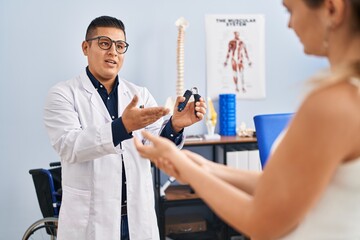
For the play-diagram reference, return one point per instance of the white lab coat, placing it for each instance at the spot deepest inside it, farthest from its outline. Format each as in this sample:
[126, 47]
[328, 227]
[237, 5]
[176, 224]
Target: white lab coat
[79, 127]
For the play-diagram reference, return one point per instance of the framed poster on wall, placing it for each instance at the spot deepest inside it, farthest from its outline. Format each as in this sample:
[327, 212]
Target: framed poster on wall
[235, 55]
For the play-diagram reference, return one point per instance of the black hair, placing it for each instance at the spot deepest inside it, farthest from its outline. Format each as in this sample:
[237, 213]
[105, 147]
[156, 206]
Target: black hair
[314, 3]
[355, 6]
[104, 21]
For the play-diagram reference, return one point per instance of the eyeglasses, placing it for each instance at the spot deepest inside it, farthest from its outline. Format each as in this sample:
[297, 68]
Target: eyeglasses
[105, 43]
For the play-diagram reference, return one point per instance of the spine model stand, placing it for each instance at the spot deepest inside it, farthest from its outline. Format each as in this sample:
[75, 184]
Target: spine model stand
[181, 24]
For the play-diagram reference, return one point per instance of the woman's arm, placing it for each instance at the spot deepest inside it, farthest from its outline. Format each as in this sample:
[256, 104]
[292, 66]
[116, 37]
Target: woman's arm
[242, 179]
[295, 177]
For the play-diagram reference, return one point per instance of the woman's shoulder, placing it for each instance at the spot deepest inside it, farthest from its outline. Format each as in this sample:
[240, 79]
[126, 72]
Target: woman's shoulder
[339, 99]
[334, 112]
[333, 109]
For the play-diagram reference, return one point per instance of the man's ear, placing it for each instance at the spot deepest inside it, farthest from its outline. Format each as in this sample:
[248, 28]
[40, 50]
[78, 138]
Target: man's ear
[85, 47]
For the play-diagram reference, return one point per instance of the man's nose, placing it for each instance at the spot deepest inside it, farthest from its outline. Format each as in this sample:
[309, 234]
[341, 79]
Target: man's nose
[113, 48]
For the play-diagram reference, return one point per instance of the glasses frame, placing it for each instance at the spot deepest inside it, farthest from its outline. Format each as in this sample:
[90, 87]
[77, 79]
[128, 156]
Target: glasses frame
[112, 41]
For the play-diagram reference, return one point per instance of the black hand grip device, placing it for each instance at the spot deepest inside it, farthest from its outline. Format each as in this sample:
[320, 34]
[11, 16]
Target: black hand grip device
[197, 99]
[187, 96]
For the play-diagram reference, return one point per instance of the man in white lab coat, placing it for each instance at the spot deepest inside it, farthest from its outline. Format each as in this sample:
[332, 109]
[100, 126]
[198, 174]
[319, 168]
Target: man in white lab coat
[107, 187]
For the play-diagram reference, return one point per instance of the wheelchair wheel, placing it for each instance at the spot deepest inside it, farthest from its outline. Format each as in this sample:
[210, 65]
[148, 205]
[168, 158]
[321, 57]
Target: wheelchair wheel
[43, 229]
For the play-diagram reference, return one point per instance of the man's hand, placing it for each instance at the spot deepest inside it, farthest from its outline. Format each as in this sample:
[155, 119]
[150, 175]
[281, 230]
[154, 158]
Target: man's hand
[135, 118]
[187, 117]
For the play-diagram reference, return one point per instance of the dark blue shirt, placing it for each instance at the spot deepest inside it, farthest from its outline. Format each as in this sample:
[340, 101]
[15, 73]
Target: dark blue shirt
[119, 132]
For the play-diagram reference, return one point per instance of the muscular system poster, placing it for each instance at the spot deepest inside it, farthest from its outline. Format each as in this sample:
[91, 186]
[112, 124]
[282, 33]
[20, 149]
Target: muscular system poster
[235, 58]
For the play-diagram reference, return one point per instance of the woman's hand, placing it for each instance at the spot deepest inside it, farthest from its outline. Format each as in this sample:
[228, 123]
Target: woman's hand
[161, 152]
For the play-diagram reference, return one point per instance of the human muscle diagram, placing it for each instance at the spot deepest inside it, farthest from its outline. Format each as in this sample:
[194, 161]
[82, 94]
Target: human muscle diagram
[235, 55]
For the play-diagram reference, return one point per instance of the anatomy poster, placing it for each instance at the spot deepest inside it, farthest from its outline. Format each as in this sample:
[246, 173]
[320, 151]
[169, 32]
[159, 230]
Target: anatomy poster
[235, 58]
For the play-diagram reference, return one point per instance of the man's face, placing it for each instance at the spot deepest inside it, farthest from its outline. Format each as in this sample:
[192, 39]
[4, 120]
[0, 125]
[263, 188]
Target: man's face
[104, 64]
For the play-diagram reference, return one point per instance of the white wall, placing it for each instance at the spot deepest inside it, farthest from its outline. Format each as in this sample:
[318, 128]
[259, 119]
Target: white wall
[40, 45]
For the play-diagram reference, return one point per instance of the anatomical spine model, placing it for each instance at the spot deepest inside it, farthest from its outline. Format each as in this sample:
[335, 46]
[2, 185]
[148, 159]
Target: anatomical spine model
[182, 24]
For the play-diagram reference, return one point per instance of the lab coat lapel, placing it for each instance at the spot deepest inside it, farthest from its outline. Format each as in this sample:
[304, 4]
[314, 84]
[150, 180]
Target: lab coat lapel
[95, 98]
[124, 97]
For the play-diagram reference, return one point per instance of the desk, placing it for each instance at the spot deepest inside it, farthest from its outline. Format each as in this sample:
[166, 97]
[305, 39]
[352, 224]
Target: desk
[222, 141]
[179, 196]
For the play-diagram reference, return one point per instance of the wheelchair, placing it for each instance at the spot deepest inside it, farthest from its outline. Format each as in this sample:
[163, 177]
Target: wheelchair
[47, 184]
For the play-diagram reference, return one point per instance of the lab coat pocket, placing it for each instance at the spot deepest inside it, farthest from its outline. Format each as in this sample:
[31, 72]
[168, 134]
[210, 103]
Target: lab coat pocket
[74, 213]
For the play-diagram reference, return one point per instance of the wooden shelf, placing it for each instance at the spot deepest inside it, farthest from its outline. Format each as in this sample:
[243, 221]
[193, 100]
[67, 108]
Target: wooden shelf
[180, 192]
[222, 140]
[208, 235]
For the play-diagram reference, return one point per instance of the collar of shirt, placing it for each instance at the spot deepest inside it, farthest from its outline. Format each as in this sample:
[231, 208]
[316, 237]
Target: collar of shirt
[97, 84]
[110, 100]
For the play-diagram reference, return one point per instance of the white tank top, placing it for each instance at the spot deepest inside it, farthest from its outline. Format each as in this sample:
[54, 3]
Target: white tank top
[336, 216]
